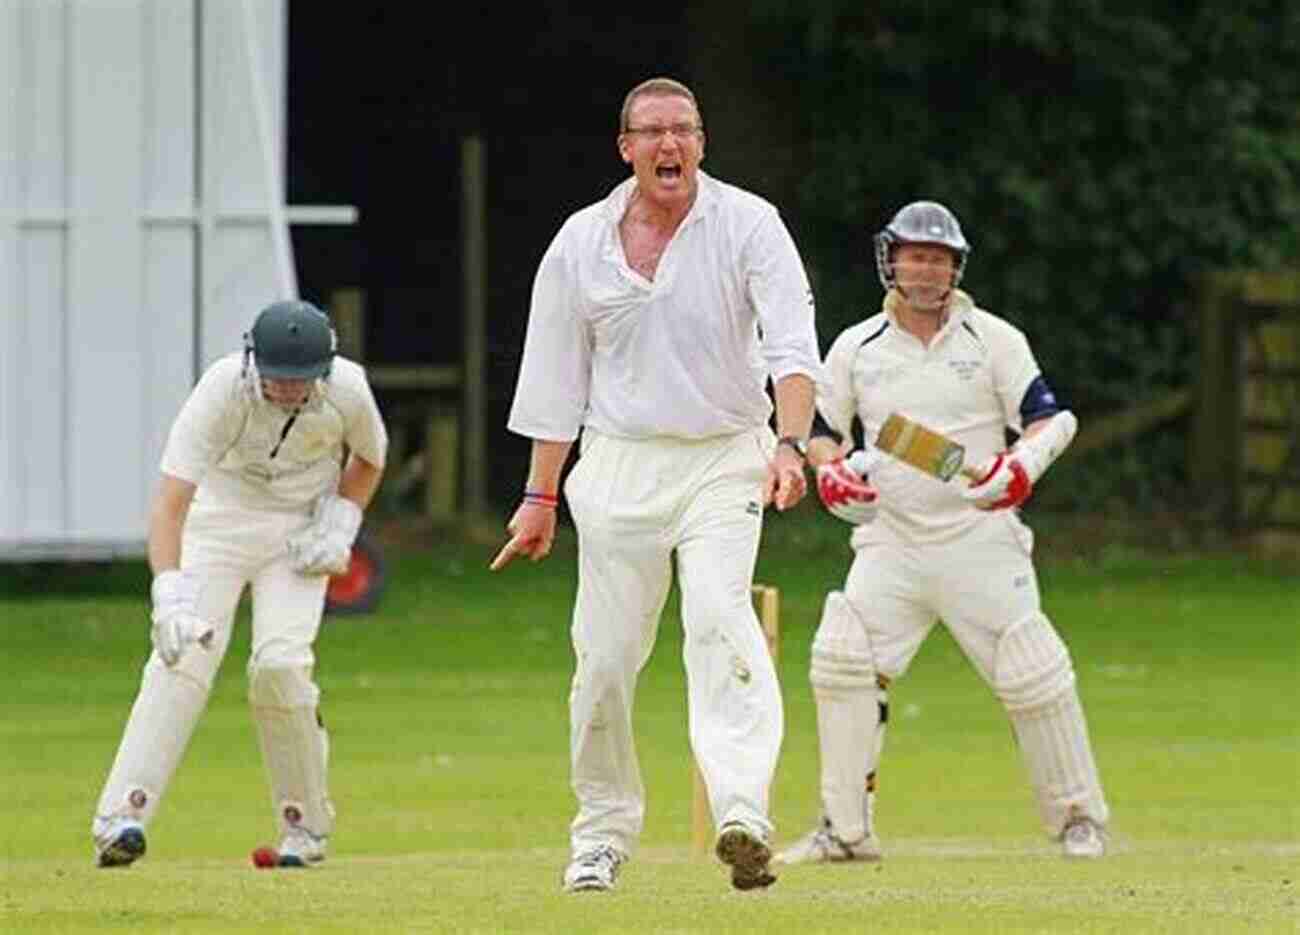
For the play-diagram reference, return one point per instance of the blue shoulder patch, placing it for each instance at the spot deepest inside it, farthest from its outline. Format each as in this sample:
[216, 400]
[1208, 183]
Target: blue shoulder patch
[1039, 402]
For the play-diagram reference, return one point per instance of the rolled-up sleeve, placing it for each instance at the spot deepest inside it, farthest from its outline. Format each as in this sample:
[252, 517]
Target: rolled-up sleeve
[206, 425]
[364, 430]
[835, 397]
[778, 287]
[554, 385]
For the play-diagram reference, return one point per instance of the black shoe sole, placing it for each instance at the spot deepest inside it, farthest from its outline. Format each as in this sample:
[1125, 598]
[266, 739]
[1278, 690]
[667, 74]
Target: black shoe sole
[126, 849]
[748, 858]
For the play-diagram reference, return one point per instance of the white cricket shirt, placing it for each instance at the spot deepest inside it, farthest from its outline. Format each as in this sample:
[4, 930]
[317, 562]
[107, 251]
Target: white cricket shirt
[679, 356]
[967, 384]
[238, 448]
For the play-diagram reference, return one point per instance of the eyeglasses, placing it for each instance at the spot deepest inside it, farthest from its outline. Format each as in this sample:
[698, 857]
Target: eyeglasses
[680, 131]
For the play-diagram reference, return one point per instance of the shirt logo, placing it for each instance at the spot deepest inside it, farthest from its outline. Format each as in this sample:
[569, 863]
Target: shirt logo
[964, 369]
[753, 509]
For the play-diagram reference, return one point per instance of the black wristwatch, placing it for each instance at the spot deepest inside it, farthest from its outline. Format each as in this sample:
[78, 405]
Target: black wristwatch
[799, 445]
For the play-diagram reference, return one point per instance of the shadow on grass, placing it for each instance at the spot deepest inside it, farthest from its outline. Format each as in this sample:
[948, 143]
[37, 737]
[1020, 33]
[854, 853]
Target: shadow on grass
[806, 534]
[35, 580]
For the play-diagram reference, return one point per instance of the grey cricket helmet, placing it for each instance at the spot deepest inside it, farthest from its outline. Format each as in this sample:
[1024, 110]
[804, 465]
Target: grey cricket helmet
[291, 341]
[920, 222]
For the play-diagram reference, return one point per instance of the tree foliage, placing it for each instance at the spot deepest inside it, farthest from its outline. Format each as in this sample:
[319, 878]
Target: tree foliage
[1100, 156]
[1098, 159]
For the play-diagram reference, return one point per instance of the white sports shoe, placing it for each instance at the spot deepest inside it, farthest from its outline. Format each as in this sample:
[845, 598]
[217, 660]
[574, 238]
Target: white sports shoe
[120, 843]
[300, 848]
[1083, 839]
[822, 845]
[593, 871]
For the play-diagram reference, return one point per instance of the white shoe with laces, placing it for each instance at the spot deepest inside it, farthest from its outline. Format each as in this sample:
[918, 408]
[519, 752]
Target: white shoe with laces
[300, 848]
[822, 846]
[1083, 839]
[593, 871]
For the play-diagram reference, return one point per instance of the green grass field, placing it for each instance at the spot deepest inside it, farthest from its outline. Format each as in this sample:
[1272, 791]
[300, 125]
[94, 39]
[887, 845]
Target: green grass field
[448, 714]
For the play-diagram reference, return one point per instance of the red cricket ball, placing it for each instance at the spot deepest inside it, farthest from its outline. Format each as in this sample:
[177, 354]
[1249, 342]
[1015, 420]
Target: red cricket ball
[264, 857]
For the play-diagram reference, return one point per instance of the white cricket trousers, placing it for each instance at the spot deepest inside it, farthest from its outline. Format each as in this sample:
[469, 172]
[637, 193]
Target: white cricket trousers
[984, 588]
[225, 547]
[634, 503]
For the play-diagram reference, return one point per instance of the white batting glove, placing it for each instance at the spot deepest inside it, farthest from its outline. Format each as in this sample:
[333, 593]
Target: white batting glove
[844, 490]
[325, 547]
[1005, 484]
[176, 623]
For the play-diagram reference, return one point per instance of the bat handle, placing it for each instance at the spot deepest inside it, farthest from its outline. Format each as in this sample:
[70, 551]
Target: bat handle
[973, 474]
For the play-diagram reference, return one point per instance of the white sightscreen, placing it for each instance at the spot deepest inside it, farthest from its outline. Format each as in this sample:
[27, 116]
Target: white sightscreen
[142, 225]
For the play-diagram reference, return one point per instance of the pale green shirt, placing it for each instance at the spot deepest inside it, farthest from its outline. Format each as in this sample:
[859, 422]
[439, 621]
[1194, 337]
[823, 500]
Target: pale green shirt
[238, 448]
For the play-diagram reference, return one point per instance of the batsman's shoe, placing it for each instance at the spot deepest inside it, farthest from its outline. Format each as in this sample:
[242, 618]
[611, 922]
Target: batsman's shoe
[747, 855]
[121, 844]
[301, 848]
[593, 871]
[1083, 839]
[823, 846]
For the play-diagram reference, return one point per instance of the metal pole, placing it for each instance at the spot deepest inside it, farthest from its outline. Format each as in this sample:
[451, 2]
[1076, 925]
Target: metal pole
[272, 158]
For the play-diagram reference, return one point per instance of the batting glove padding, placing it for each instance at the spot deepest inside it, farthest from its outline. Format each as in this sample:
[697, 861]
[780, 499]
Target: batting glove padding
[176, 623]
[844, 490]
[1005, 484]
[1037, 452]
[325, 547]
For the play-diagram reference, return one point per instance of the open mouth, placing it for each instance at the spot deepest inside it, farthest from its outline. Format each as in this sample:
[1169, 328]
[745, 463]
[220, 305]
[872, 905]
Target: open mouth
[668, 173]
[925, 295]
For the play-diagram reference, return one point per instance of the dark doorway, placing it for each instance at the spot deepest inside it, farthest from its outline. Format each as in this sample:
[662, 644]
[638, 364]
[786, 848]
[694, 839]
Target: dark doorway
[379, 99]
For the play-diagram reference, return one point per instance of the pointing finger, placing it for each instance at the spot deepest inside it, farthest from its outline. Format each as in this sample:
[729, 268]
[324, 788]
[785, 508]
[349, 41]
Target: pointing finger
[508, 552]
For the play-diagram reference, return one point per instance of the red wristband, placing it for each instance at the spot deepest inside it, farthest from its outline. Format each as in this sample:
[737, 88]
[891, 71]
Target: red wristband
[548, 500]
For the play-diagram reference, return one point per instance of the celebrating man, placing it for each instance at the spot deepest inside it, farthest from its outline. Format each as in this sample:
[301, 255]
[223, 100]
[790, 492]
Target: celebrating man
[658, 315]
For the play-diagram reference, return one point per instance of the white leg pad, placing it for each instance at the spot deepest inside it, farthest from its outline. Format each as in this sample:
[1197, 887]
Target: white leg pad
[1034, 679]
[877, 739]
[295, 746]
[850, 730]
[159, 729]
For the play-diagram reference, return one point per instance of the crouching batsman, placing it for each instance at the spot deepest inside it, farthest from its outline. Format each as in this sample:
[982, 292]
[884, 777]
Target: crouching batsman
[926, 550]
[255, 492]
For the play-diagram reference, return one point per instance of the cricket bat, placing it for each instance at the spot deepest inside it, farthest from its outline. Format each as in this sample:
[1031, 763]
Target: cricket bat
[924, 449]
